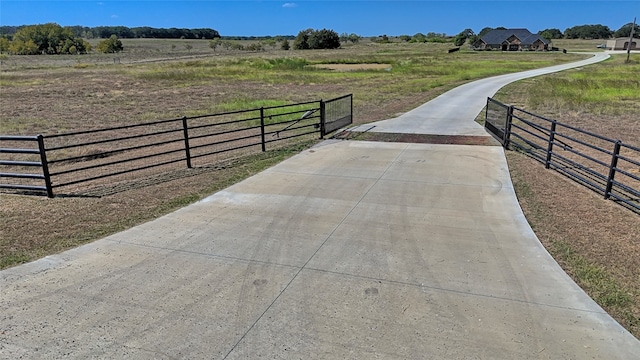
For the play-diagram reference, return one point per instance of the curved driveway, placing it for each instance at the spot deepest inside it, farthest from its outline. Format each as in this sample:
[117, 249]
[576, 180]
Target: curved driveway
[453, 112]
[348, 250]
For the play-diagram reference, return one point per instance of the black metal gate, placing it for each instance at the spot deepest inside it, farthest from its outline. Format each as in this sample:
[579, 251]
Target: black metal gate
[336, 113]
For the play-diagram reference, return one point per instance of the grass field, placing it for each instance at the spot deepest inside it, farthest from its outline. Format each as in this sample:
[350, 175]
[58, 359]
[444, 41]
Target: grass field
[160, 79]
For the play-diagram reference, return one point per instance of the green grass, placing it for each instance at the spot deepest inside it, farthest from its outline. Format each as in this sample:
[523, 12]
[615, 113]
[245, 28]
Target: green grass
[599, 284]
[595, 279]
[411, 61]
[597, 89]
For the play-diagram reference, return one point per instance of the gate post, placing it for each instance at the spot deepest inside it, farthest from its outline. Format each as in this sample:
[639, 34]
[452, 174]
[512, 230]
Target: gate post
[552, 135]
[486, 110]
[45, 166]
[323, 118]
[187, 148]
[507, 128]
[612, 169]
[262, 136]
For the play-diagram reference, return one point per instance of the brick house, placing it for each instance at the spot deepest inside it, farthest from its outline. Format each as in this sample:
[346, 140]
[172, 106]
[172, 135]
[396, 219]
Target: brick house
[511, 40]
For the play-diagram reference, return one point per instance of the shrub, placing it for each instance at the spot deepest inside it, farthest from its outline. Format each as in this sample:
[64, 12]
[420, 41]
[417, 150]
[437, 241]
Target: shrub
[324, 39]
[316, 39]
[110, 45]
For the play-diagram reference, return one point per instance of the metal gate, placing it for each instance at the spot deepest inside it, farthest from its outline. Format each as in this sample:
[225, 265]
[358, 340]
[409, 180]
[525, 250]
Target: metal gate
[336, 113]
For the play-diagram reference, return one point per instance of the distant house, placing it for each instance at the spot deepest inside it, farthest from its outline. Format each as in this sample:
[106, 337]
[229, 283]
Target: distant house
[622, 44]
[511, 40]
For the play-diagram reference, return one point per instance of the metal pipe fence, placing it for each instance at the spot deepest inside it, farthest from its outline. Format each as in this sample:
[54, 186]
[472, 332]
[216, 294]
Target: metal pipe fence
[607, 166]
[28, 164]
[97, 157]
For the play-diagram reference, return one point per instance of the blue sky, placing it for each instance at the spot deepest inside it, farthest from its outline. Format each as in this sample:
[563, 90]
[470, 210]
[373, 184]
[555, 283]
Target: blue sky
[364, 17]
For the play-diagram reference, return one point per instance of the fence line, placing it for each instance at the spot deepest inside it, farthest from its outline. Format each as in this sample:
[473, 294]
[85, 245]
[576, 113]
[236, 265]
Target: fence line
[604, 165]
[91, 156]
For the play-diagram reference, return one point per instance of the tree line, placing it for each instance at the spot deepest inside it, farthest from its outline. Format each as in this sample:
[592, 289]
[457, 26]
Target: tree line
[123, 32]
[590, 32]
[53, 39]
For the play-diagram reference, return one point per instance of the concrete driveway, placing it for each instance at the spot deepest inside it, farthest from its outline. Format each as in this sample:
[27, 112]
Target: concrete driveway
[351, 249]
[453, 112]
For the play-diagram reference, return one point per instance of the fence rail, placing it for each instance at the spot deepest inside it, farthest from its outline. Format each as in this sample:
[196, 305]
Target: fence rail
[24, 163]
[607, 166]
[101, 156]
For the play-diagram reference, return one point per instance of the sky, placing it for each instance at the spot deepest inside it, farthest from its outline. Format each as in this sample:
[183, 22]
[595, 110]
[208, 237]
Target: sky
[362, 17]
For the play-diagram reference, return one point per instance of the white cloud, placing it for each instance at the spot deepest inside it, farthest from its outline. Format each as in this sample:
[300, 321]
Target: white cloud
[289, 5]
[114, 16]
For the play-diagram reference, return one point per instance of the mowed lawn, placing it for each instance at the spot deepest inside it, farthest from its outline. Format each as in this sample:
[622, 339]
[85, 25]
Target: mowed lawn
[161, 79]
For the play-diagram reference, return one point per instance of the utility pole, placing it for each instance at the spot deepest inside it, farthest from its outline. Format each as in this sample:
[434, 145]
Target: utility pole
[633, 27]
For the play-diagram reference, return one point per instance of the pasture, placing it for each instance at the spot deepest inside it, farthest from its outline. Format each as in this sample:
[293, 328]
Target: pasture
[161, 79]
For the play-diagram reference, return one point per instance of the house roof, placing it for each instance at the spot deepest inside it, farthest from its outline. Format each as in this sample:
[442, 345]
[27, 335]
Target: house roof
[497, 36]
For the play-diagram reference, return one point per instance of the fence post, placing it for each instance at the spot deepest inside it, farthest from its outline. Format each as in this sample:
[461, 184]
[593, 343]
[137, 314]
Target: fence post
[45, 166]
[187, 148]
[486, 109]
[612, 169]
[262, 130]
[507, 128]
[552, 136]
[323, 118]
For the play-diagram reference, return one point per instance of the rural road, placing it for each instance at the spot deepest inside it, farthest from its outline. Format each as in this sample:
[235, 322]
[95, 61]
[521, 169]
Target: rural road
[348, 250]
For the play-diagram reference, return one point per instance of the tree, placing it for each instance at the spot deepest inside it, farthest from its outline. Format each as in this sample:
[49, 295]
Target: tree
[301, 42]
[226, 44]
[354, 38]
[4, 44]
[484, 31]
[316, 39]
[551, 34]
[467, 32]
[48, 38]
[405, 38]
[462, 37]
[19, 47]
[419, 37]
[110, 45]
[324, 39]
[285, 45]
[625, 31]
[213, 44]
[188, 47]
[588, 32]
